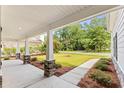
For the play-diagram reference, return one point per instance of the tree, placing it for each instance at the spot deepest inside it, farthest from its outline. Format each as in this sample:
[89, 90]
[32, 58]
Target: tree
[56, 46]
[42, 47]
[92, 36]
[97, 38]
[70, 37]
[9, 51]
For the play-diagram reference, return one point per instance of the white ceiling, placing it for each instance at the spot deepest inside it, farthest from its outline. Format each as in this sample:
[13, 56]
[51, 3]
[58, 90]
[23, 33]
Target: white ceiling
[19, 22]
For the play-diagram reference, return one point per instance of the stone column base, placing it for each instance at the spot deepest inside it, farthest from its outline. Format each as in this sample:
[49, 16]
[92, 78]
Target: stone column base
[26, 59]
[49, 68]
[18, 55]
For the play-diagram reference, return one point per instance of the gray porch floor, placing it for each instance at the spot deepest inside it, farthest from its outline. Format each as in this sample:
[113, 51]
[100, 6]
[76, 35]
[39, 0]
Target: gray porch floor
[18, 75]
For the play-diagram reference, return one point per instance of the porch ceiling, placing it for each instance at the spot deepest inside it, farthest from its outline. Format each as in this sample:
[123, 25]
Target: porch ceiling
[20, 22]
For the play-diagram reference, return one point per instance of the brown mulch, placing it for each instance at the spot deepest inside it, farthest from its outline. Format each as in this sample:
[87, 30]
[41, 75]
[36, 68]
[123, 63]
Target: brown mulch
[63, 70]
[87, 82]
[58, 72]
[38, 64]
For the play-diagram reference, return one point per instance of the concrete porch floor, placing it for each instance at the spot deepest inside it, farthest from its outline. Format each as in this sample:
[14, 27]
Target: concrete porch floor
[18, 75]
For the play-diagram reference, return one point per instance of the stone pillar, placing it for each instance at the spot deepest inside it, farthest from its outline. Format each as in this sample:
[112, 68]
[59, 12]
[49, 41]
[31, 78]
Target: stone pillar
[49, 62]
[27, 54]
[17, 51]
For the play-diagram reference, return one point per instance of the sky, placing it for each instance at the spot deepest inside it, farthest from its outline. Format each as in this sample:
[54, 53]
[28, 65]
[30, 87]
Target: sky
[89, 20]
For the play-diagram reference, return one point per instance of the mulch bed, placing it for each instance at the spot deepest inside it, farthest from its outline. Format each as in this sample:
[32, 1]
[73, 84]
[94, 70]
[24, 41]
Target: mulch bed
[88, 82]
[38, 64]
[62, 70]
[58, 72]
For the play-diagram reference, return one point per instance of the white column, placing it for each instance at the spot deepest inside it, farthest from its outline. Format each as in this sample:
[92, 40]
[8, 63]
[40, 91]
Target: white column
[49, 52]
[27, 47]
[17, 47]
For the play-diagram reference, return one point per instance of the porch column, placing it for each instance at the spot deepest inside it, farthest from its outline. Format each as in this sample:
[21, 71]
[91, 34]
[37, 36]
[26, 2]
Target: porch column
[17, 50]
[27, 54]
[49, 62]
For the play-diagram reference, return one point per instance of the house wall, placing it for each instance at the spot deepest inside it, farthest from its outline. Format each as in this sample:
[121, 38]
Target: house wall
[0, 43]
[118, 45]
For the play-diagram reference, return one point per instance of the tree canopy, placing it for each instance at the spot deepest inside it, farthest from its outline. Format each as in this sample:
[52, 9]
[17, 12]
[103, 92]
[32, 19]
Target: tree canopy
[91, 36]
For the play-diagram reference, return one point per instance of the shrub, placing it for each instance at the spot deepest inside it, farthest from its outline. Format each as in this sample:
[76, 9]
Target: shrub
[106, 59]
[6, 58]
[57, 66]
[104, 62]
[34, 59]
[109, 59]
[101, 77]
[101, 66]
[9, 51]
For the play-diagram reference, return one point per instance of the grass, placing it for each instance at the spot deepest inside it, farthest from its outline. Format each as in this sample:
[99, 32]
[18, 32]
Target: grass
[71, 60]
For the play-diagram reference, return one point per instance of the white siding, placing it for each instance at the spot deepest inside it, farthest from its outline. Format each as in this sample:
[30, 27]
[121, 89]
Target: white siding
[119, 29]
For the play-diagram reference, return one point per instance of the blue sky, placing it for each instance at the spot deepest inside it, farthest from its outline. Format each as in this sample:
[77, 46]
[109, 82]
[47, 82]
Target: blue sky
[89, 20]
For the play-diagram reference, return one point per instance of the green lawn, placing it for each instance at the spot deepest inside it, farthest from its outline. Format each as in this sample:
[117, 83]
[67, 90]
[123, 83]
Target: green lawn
[71, 59]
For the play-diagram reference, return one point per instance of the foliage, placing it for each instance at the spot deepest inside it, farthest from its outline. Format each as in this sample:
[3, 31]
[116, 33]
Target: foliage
[56, 45]
[57, 66]
[97, 39]
[9, 51]
[22, 50]
[70, 37]
[101, 77]
[32, 49]
[91, 36]
[34, 59]
[102, 64]
[42, 47]
[6, 58]
[105, 59]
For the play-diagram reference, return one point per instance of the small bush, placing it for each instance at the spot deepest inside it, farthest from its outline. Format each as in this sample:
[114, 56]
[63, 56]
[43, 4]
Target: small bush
[6, 58]
[101, 66]
[106, 59]
[34, 59]
[57, 66]
[101, 77]
[104, 62]
[109, 59]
